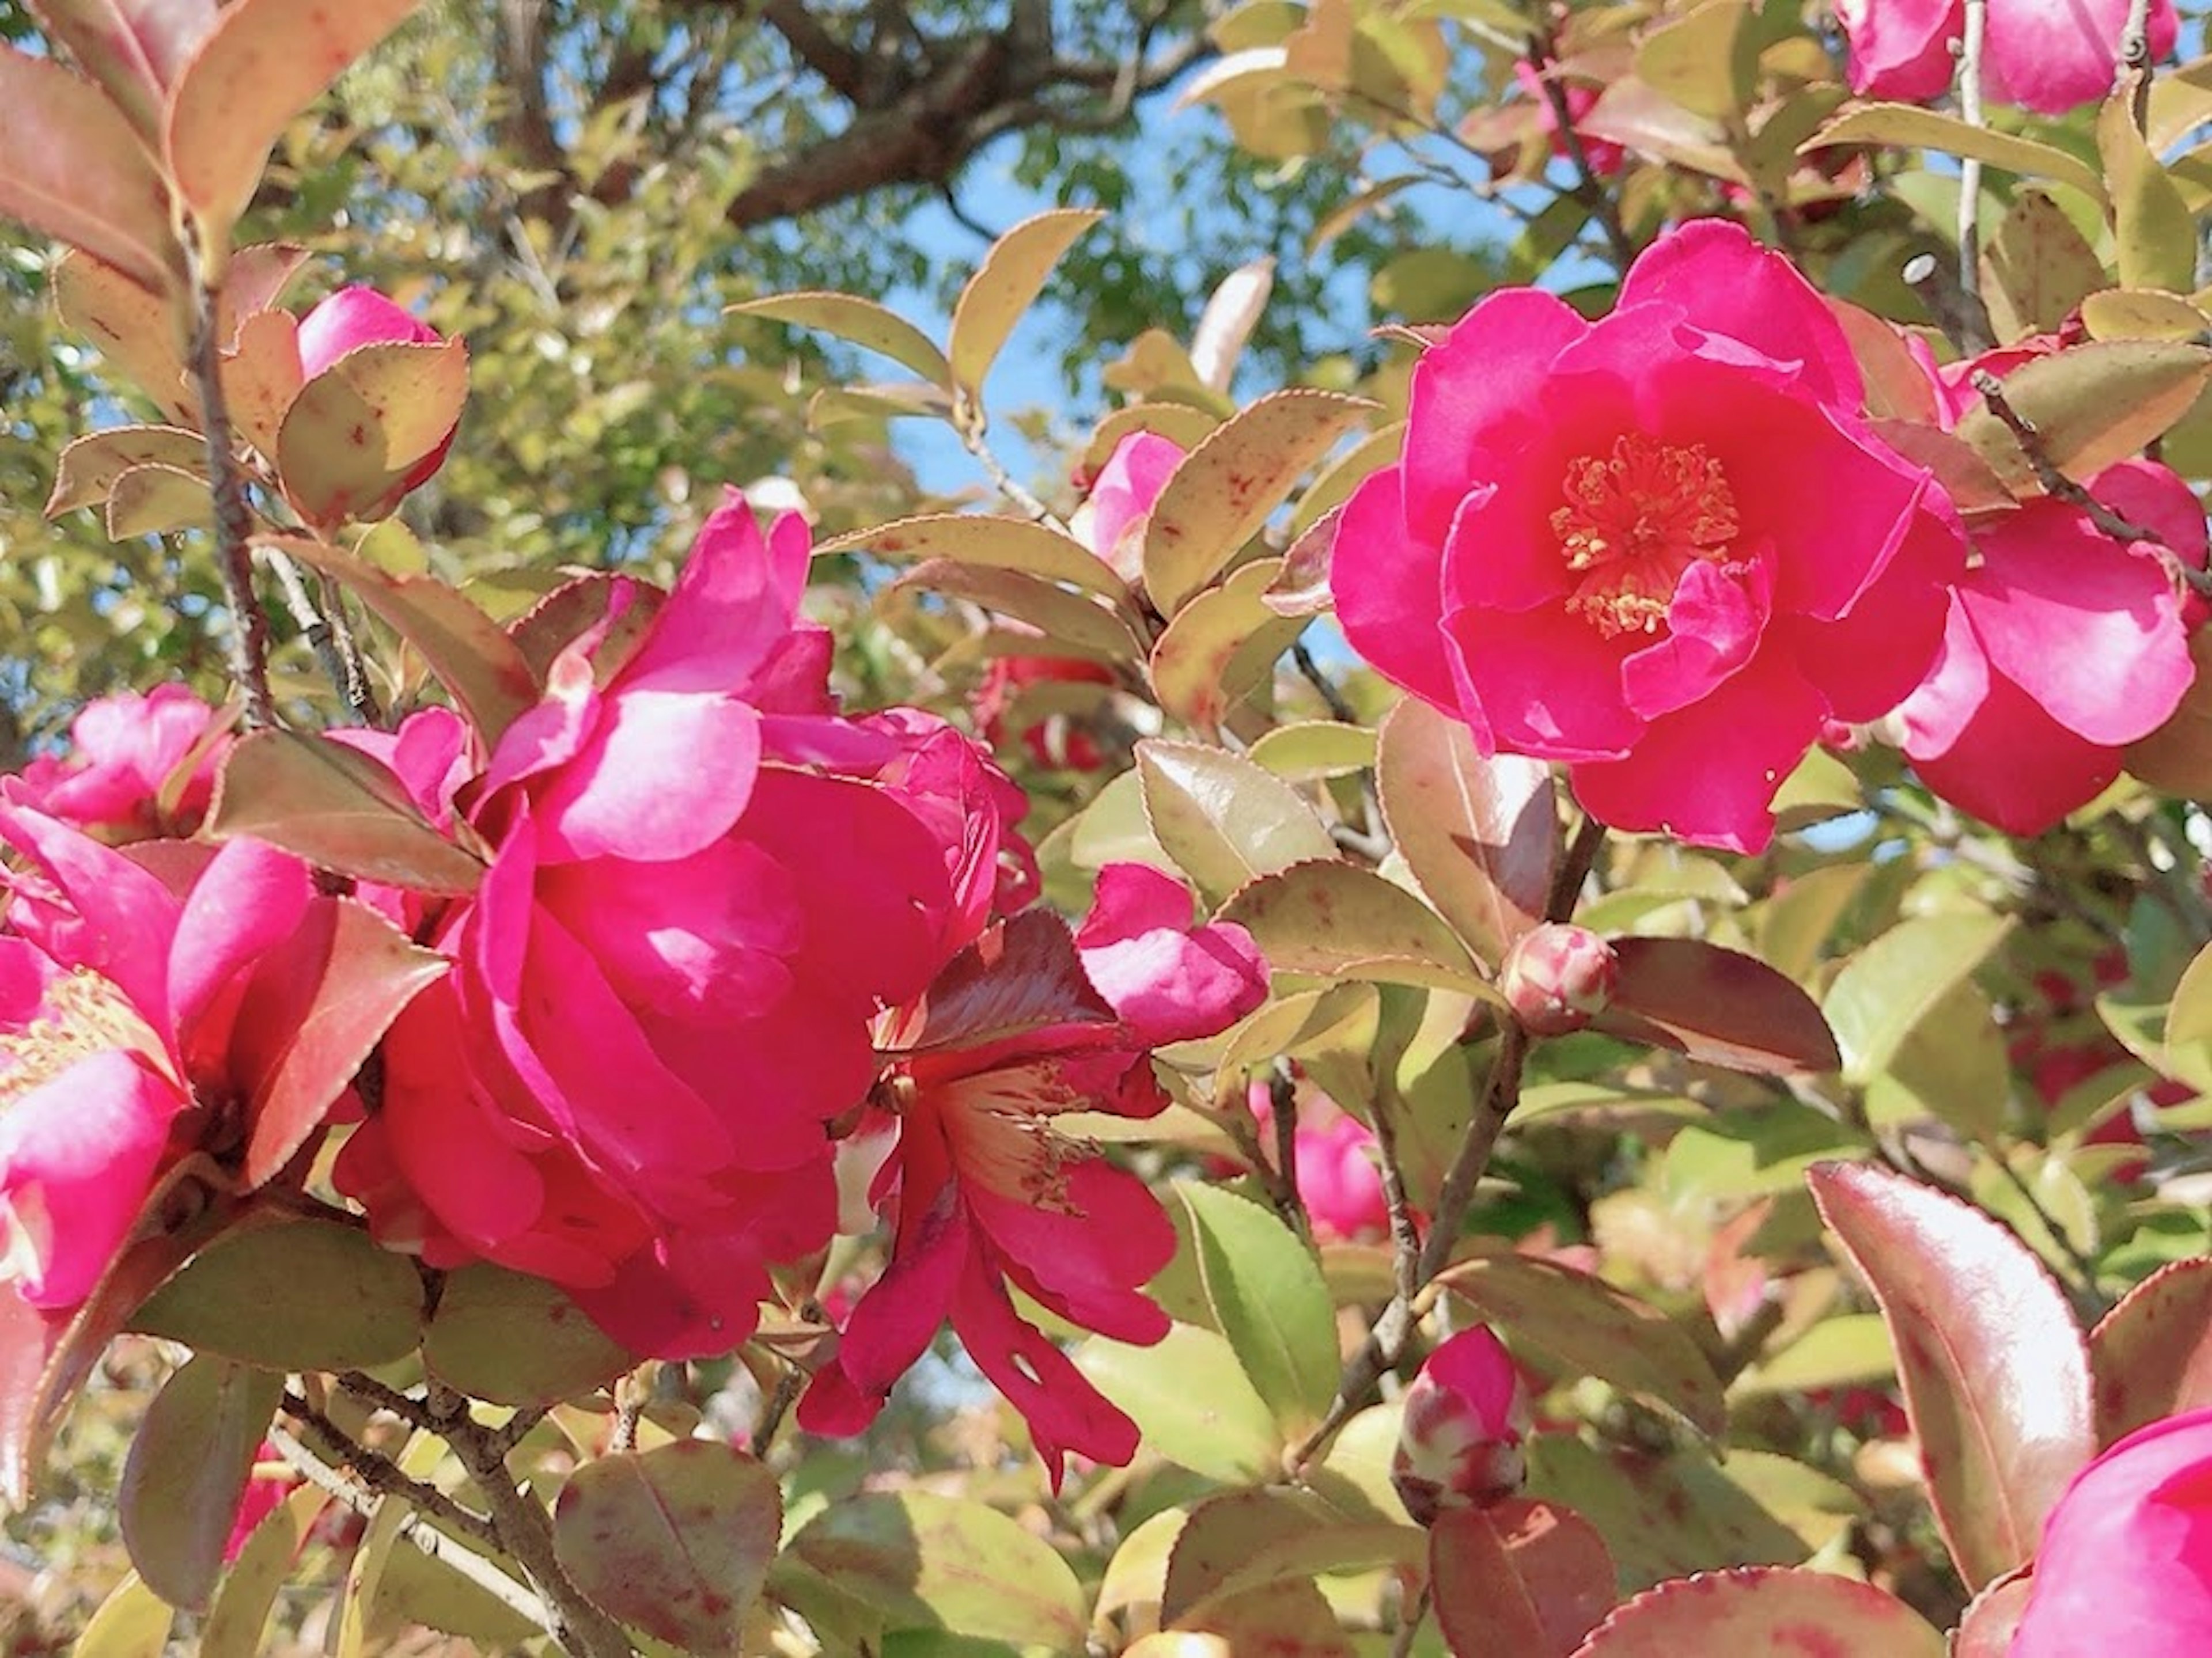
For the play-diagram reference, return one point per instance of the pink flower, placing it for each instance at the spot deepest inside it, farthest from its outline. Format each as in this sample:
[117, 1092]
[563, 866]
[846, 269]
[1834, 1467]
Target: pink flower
[147, 1009]
[2126, 1560]
[1466, 1416]
[348, 320]
[2049, 56]
[1053, 739]
[138, 767]
[1605, 157]
[1023, 1028]
[1557, 977]
[1663, 548]
[1332, 1159]
[1110, 522]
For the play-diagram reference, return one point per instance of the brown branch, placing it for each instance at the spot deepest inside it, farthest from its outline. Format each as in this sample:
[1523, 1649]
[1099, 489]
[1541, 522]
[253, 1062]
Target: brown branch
[248, 645]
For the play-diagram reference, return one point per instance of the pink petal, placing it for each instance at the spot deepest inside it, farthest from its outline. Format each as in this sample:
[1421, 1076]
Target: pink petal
[1901, 49]
[249, 899]
[2014, 766]
[665, 773]
[1873, 657]
[2053, 56]
[1123, 493]
[1713, 626]
[1544, 682]
[1387, 587]
[1944, 703]
[733, 602]
[1089, 1255]
[120, 919]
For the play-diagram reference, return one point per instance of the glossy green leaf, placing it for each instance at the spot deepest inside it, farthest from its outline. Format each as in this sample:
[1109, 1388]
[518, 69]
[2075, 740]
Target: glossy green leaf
[1481, 835]
[1221, 647]
[1228, 486]
[188, 1465]
[1005, 544]
[1309, 751]
[1223, 1537]
[925, 1560]
[2151, 1356]
[1593, 1328]
[1886, 989]
[2189, 1016]
[263, 63]
[1764, 1609]
[133, 1621]
[2153, 232]
[1912, 127]
[1951, 1066]
[358, 429]
[1996, 1372]
[1848, 1350]
[863, 322]
[1716, 1006]
[1004, 285]
[2090, 405]
[1268, 1301]
[72, 168]
[1190, 1399]
[1747, 1151]
[2128, 314]
[1113, 830]
[1222, 818]
[1335, 918]
[515, 1339]
[1520, 1579]
[675, 1541]
[418, 1589]
[292, 1295]
[90, 466]
[156, 500]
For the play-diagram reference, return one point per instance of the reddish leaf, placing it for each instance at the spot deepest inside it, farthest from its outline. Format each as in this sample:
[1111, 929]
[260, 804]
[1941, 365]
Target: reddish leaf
[548, 627]
[1778, 1611]
[72, 168]
[1224, 1534]
[1996, 1372]
[134, 48]
[2151, 1356]
[1718, 1006]
[189, 1464]
[322, 1000]
[132, 328]
[1520, 1580]
[1481, 835]
[483, 668]
[1022, 977]
[1990, 1623]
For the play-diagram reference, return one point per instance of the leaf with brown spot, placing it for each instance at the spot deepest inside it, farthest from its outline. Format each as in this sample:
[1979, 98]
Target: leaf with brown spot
[355, 432]
[2151, 1356]
[261, 376]
[72, 168]
[91, 465]
[156, 500]
[134, 330]
[1520, 1579]
[982, 538]
[1338, 921]
[1776, 1612]
[1222, 647]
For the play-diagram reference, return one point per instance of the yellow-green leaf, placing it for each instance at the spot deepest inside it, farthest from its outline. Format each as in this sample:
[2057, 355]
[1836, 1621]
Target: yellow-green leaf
[1004, 285]
[1914, 128]
[863, 322]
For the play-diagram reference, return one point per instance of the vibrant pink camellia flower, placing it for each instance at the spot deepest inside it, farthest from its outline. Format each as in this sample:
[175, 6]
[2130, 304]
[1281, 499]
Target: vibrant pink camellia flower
[1663, 548]
[346, 321]
[138, 767]
[1466, 1414]
[266, 1488]
[2126, 1560]
[148, 1007]
[1054, 742]
[1026, 1025]
[2050, 56]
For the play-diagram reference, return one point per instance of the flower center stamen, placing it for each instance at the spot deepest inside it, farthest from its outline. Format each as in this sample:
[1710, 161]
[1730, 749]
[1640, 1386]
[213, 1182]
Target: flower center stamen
[1633, 522]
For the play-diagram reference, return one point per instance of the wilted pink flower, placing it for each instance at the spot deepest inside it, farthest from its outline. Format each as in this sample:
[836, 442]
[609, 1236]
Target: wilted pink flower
[2049, 56]
[1110, 521]
[348, 320]
[1025, 1026]
[1557, 977]
[1663, 548]
[137, 768]
[1605, 157]
[2125, 1564]
[147, 1009]
[1466, 1414]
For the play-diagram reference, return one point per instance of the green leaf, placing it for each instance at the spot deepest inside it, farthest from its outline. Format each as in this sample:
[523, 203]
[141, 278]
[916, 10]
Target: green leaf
[292, 1294]
[927, 1562]
[1336, 920]
[1590, 1326]
[1221, 646]
[1886, 989]
[90, 466]
[1849, 1350]
[1223, 1536]
[337, 808]
[2189, 1017]
[676, 1541]
[72, 168]
[238, 1619]
[1268, 1301]
[483, 669]
[1661, 1515]
[263, 63]
[514, 1339]
[1226, 489]
[189, 1463]
[1190, 1398]
[2131, 314]
[1480, 835]
[1914, 128]
[158, 500]
[1004, 544]
[1765, 1609]
[1004, 285]
[364, 1578]
[2152, 1354]
[2090, 405]
[863, 322]
[1996, 1372]
[358, 429]
[1719, 1006]
[1221, 818]
[2153, 232]
[1951, 1066]
[1520, 1579]
[133, 1621]
[2036, 268]
[1703, 60]
[1311, 751]
[1073, 625]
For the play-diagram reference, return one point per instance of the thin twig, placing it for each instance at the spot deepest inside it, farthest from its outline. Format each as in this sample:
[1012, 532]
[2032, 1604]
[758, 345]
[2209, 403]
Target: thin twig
[1970, 168]
[1283, 1117]
[2060, 487]
[1574, 869]
[777, 1407]
[1589, 189]
[380, 1474]
[1324, 687]
[415, 1530]
[969, 425]
[390, 1400]
[1409, 1623]
[248, 646]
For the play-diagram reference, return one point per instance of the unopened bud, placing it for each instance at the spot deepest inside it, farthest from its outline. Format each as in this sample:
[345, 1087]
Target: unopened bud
[1466, 1416]
[1557, 977]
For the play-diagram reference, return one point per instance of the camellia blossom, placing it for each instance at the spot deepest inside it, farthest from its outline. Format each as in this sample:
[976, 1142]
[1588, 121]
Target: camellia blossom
[1027, 1024]
[2141, 1517]
[1332, 1159]
[137, 768]
[1664, 548]
[2050, 56]
[1459, 1443]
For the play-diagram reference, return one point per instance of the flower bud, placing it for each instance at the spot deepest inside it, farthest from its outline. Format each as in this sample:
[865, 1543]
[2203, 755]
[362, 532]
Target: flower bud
[1466, 1416]
[1557, 977]
[354, 317]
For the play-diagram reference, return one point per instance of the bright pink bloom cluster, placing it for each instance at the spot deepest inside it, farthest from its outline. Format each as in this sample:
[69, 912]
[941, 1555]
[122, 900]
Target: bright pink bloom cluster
[137, 768]
[2125, 1564]
[1466, 1414]
[2050, 56]
[1110, 522]
[1599, 548]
